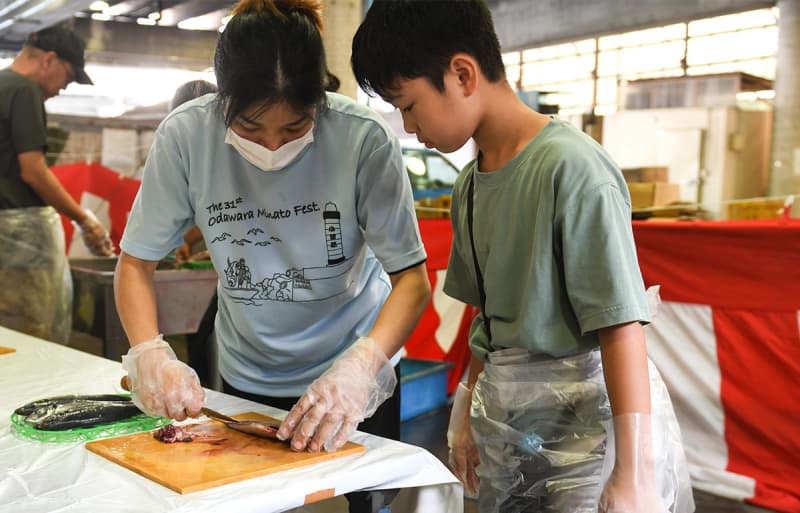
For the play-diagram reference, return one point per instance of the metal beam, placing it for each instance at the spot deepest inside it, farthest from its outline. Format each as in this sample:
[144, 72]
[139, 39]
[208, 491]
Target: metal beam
[137, 45]
[528, 23]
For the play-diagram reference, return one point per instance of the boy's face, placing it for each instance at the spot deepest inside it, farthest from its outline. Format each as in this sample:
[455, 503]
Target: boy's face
[439, 119]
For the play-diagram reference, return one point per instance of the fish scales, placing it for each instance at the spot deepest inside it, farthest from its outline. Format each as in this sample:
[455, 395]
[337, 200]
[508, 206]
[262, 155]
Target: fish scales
[85, 414]
[27, 409]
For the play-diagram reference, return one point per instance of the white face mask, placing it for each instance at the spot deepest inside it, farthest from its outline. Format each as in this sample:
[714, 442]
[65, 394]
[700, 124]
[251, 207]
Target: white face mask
[264, 158]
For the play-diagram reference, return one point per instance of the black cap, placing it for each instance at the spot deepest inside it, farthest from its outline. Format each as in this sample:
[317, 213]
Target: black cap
[66, 44]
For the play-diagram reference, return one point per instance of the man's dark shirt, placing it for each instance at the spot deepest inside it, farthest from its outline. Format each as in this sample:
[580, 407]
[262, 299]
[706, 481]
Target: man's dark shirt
[23, 127]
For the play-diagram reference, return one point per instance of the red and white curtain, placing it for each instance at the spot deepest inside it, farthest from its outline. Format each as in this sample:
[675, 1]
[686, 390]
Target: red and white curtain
[727, 343]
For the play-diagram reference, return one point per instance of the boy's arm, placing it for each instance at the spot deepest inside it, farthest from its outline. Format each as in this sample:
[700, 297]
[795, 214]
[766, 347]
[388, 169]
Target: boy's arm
[631, 486]
[463, 456]
[624, 356]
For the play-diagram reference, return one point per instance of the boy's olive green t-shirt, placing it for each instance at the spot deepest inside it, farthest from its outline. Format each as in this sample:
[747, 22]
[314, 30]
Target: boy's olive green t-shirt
[555, 245]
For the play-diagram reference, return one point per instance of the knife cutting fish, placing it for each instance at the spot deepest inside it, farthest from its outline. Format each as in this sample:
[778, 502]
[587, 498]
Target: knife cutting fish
[251, 427]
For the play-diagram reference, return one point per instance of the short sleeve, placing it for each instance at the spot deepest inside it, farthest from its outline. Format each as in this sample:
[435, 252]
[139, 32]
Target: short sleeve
[28, 130]
[386, 206]
[600, 267]
[161, 212]
[459, 281]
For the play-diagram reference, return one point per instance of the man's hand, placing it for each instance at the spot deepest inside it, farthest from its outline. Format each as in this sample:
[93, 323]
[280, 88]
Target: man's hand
[95, 236]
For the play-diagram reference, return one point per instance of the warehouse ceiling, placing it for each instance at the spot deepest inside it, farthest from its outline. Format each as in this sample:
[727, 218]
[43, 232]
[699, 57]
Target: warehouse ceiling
[20, 17]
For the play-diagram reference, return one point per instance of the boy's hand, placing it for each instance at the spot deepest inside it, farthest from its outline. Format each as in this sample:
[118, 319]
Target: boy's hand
[631, 488]
[464, 457]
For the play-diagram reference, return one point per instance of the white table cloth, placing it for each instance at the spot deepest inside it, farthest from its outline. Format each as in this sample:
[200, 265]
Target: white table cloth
[38, 477]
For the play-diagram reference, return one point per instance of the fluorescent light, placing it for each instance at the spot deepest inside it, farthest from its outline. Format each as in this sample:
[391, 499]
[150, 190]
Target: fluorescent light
[145, 21]
[98, 16]
[98, 5]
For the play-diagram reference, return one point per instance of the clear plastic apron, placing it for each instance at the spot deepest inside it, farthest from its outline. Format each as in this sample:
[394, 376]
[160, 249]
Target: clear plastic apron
[35, 281]
[541, 424]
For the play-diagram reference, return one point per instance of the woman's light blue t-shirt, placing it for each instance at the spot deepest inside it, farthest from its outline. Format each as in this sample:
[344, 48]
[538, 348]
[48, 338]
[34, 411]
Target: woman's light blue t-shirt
[302, 253]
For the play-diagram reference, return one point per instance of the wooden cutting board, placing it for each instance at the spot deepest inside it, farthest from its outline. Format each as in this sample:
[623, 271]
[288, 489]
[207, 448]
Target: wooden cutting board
[6, 350]
[217, 456]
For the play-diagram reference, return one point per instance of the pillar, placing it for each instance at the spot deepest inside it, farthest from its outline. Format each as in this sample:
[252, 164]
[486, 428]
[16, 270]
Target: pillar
[341, 19]
[785, 169]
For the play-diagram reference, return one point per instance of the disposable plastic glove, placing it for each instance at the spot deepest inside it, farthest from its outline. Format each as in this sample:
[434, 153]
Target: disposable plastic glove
[631, 488]
[95, 236]
[336, 402]
[161, 385]
[463, 457]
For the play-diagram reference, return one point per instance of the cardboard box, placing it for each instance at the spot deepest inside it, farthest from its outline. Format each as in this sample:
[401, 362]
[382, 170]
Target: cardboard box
[653, 194]
[646, 174]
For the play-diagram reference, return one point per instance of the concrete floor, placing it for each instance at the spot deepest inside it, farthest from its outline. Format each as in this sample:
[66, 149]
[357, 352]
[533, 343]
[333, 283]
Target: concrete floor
[428, 431]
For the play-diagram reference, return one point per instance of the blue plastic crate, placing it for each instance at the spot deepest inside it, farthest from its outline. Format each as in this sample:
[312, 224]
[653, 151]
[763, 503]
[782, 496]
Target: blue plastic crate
[423, 386]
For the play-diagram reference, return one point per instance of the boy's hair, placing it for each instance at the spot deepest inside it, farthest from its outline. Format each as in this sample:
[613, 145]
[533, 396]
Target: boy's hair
[407, 39]
[271, 52]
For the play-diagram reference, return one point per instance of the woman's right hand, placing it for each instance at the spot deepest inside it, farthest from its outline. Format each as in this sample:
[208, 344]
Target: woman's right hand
[464, 457]
[160, 384]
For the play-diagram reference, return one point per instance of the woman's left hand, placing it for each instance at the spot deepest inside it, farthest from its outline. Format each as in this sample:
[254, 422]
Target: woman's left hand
[336, 402]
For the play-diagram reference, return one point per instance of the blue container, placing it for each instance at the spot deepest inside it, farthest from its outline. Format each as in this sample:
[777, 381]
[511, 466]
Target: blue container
[423, 386]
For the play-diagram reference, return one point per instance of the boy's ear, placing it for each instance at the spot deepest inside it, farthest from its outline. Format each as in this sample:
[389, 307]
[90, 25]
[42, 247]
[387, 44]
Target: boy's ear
[466, 69]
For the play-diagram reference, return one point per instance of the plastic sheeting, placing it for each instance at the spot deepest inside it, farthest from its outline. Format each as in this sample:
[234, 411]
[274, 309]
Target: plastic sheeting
[35, 281]
[540, 425]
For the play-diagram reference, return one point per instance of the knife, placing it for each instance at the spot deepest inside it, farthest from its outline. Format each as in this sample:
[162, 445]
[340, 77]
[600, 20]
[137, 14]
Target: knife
[251, 427]
[208, 412]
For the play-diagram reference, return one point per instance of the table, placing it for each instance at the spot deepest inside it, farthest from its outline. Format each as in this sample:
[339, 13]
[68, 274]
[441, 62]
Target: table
[182, 297]
[38, 478]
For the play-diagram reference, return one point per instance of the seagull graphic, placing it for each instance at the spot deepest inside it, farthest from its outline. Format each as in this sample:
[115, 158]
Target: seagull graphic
[222, 237]
[254, 231]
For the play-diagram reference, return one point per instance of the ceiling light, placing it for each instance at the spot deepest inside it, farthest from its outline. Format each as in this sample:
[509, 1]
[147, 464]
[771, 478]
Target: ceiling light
[99, 16]
[98, 5]
[155, 16]
[145, 21]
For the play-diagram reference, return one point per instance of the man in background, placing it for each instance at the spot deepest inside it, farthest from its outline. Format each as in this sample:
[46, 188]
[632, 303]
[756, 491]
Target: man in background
[35, 284]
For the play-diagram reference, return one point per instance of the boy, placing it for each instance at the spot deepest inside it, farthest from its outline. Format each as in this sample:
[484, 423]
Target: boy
[542, 241]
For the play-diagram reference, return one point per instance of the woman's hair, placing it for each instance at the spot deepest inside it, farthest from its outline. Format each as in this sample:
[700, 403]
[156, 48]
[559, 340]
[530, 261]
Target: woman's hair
[271, 52]
[189, 91]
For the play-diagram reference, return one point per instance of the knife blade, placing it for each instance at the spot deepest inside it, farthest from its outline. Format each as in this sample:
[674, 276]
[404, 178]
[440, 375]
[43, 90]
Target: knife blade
[251, 427]
[208, 412]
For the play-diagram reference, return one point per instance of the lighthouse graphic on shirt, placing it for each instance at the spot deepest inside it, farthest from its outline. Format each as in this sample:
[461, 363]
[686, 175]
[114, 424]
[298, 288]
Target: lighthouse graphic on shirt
[297, 285]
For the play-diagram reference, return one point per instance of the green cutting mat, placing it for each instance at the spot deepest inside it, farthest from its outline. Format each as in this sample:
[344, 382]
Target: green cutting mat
[128, 426]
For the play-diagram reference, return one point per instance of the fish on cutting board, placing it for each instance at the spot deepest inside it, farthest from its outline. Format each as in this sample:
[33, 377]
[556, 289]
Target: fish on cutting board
[217, 455]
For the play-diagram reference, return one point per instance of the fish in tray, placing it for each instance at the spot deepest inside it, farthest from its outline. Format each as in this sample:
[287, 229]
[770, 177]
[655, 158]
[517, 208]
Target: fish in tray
[27, 409]
[80, 414]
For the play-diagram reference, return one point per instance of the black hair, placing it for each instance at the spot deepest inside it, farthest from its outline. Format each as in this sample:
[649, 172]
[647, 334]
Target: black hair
[271, 52]
[407, 39]
[189, 91]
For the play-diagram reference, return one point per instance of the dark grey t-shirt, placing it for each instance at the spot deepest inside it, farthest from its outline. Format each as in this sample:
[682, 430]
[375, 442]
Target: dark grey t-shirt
[23, 127]
[555, 244]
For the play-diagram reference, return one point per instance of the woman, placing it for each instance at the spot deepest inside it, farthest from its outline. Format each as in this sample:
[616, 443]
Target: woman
[307, 212]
